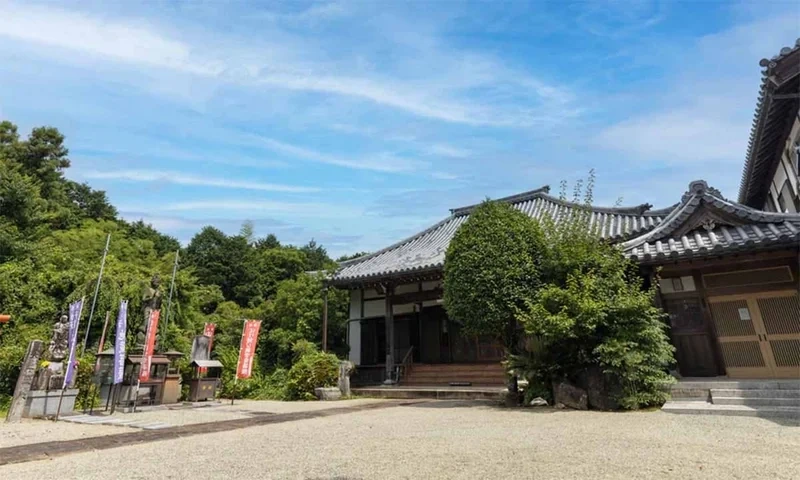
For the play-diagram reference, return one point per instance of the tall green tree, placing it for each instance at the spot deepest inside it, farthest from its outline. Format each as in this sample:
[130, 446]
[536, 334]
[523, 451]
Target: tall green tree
[492, 267]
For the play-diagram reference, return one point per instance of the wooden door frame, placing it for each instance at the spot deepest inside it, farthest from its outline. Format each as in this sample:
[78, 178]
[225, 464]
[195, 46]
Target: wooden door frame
[759, 327]
[777, 371]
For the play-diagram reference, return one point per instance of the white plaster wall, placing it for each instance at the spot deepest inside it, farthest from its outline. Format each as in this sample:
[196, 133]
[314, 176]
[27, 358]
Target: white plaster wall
[355, 304]
[354, 340]
[374, 308]
[371, 293]
[431, 285]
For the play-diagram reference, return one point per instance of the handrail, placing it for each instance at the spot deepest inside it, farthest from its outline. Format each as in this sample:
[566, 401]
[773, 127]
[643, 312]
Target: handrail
[403, 367]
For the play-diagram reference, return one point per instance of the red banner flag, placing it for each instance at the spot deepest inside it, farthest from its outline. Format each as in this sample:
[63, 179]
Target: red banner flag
[208, 331]
[149, 345]
[247, 349]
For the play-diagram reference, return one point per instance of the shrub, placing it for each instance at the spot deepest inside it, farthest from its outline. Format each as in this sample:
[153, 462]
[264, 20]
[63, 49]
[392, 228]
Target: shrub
[311, 370]
[88, 393]
[594, 312]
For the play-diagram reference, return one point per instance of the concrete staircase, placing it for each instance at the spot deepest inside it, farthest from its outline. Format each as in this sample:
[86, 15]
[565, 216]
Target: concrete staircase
[754, 398]
[471, 374]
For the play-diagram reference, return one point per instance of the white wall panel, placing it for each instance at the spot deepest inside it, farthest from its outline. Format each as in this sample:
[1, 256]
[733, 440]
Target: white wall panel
[355, 304]
[355, 342]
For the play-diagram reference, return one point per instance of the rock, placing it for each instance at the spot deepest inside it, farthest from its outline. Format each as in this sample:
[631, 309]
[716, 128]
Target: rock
[601, 388]
[560, 406]
[328, 393]
[538, 402]
[571, 396]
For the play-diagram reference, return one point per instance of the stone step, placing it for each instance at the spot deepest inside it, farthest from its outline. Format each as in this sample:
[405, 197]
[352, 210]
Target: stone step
[459, 369]
[739, 384]
[737, 392]
[430, 392]
[680, 393]
[449, 375]
[706, 408]
[757, 401]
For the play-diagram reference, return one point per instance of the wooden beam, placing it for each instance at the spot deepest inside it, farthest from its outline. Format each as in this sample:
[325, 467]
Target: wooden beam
[417, 297]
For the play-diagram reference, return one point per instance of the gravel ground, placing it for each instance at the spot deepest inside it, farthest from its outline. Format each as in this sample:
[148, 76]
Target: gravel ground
[36, 431]
[241, 409]
[458, 440]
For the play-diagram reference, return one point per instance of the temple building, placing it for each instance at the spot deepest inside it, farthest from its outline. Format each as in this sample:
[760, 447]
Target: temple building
[728, 278]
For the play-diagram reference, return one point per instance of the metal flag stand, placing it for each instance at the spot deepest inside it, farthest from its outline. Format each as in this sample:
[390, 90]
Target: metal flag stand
[96, 291]
[169, 298]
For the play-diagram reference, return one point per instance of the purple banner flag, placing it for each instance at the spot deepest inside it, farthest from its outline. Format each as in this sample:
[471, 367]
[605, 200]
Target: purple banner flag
[119, 342]
[75, 310]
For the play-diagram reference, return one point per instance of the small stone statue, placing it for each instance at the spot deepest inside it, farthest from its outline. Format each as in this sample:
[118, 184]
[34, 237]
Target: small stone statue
[151, 300]
[52, 377]
[345, 369]
[59, 342]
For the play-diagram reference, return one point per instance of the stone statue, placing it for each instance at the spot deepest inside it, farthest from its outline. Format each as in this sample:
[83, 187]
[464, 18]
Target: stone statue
[151, 300]
[59, 342]
[52, 377]
[345, 369]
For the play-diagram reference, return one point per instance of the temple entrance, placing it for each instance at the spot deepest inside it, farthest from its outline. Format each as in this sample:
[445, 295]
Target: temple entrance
[759, 334]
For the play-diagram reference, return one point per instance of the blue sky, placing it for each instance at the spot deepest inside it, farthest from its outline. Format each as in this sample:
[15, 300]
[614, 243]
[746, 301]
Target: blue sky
[359, 123]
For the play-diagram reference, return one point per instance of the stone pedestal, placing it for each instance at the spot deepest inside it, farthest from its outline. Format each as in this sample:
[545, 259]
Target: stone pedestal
[41, 403]
[328, 393]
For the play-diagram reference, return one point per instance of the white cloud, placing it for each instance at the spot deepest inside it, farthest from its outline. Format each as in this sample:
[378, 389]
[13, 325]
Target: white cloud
[444, 150]
[266, 207]
[438, 86]
[185, 179]
[121, 41]
[705, 110]
[444, 176]
[382, 163]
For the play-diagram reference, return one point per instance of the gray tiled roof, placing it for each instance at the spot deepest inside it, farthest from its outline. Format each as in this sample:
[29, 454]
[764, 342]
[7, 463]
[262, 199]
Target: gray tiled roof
[425, 251]
[705, 223]
[781, 77]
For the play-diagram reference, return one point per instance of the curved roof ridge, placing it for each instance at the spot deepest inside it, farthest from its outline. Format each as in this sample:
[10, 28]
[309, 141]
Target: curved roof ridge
[516, 198]
[700, 193]
[395, 245]
[760, 116]
[638, 210]
[643, 209]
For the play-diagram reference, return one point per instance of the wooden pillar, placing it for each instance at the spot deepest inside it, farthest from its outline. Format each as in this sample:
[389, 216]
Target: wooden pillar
[711, 328]
[325, 320]
[389, 317]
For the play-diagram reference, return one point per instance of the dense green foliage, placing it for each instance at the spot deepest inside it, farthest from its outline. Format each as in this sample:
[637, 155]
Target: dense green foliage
[594, 311]
[491, 268]
[582, 304]
[52, 234]
[311, 369]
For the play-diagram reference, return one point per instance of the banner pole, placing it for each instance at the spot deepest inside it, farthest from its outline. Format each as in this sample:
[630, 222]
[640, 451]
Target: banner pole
[103, 336]
[171, 288]
[60, 399]
[96, 291]
[233, 394]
